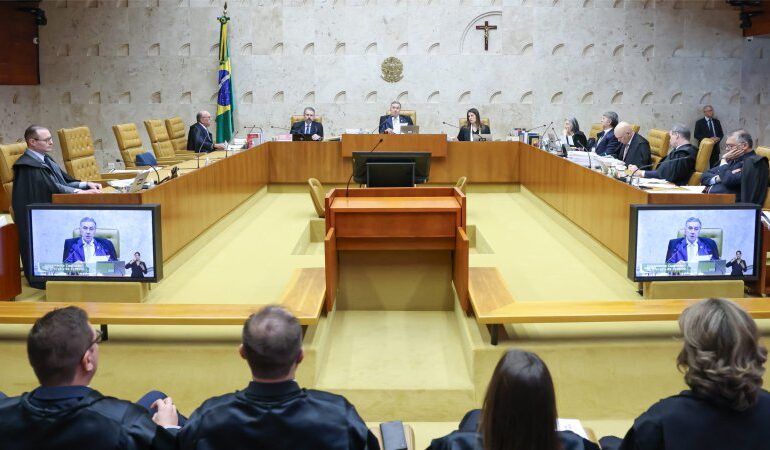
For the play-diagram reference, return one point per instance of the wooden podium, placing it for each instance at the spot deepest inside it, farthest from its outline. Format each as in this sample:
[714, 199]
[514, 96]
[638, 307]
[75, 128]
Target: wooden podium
[435, 144]
[10, 278]
[387, 219]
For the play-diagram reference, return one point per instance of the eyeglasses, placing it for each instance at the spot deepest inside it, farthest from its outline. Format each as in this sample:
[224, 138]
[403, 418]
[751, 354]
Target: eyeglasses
[97, 339]
[731, 146]
[49, 140]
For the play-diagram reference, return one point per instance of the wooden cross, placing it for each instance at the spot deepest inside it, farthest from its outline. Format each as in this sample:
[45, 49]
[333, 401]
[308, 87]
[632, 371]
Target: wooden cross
[486, 29]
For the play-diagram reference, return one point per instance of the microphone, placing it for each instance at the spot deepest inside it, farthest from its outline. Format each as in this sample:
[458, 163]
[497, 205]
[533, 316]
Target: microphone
[533, 129]
[451, 125]
[545, 132]
[280, 128]
[157, 175]
[200, 147]
[590, 166]
[379, 125]
[650, 165]
[347, 187]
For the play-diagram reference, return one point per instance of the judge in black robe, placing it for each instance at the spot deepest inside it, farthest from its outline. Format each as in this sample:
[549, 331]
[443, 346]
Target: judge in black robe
[745, 177]
[278, 416]
[77, 417]
[676, 167]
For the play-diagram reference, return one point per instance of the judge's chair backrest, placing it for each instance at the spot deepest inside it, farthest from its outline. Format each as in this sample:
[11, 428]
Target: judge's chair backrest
[715, 234]
[9, 153]
[77, 149]
[702, 161]
[317, 194]
[659, 140]
[110, 234]
[129, 143]
[461, 184]
[596, 128]
[412, 114]
[635, 127]
[764, 151]
[300, 117]
[177, 133]
[159, 139]
[463, 121]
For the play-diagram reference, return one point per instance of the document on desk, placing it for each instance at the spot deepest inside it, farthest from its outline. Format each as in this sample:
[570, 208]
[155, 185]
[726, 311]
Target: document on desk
[572, 425]
[680, 190]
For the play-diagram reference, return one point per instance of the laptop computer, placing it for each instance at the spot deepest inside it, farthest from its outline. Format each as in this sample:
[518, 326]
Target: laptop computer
[410, 129]
[138, 182]
[302, 137]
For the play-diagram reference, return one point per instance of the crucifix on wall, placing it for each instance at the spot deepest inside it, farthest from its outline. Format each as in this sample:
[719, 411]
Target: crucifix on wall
[486, 27]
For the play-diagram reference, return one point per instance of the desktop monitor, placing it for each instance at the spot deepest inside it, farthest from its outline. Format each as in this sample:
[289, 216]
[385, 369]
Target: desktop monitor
[95, 242]
[693, 242]
[391, 169]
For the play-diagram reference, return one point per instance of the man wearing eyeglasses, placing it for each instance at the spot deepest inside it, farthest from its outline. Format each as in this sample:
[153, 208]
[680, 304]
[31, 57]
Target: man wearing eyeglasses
[36, 177]
[741, 171]
[64, 412]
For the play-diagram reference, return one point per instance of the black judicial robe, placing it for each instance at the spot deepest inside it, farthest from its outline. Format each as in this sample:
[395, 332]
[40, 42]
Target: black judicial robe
[77, 417]
[690, 422]
[277, 416]
[745, 177]
[677, 166]
[467, 438]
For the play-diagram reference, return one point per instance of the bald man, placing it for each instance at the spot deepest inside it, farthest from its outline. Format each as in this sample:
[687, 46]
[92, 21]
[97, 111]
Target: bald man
[634, 149]
[199, 138]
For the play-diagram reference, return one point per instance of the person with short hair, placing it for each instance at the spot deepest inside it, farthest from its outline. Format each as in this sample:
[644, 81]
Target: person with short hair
[634, 148]
[519, 412]
[710, 127]
[725, 407]
[392, 122]
[64, 412]
[691, 247]
[137, 266]
[473, 127]
[606, 142]
[36, 177]
[737, 265]
[309, 126]
[679, 163]
[199, 138]
[572, 136]
[742, 172]
[88, 248]
[273, 411]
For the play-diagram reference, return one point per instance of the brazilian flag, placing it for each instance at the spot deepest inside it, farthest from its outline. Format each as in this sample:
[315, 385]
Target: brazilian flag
[225, 105]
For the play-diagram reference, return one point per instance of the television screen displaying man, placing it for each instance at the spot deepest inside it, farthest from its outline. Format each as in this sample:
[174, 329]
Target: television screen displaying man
[392, 123]
[309, 127]
[692, 248]
[88, 248]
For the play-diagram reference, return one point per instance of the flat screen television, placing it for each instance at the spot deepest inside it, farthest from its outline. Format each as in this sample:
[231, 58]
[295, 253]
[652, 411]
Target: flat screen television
[693, 242]
[390, 168]
[95, 242]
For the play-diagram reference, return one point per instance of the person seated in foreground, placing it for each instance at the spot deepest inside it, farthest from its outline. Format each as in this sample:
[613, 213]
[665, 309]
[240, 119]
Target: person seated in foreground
[64, 412]
[725, 407]
[273, 412]
[678, 164]
[741, 171]
[519, 412]
[473, 127]
[572, 136]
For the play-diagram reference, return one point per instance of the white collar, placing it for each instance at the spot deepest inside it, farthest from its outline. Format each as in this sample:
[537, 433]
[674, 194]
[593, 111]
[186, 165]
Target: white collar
[38, 155]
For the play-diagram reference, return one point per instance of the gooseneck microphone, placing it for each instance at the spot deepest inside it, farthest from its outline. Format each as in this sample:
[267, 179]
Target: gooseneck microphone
[380, 124]
[280, 128]
[647, 166]
[347, 186]
[590, 166]
[451, 125]
[157, 175]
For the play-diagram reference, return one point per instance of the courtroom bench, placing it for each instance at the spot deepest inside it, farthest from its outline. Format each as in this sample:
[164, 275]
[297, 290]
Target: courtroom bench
[494, 306]
[303, 296]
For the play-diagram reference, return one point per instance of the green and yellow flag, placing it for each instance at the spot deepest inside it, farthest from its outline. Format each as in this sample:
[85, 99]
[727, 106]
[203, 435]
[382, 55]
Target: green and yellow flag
[225, 104]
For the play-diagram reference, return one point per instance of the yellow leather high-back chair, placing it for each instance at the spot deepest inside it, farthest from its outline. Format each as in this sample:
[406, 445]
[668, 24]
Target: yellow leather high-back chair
[9, 153]
[176, 130]
[300, 117]
[702, 160]
[484, 121]
[659, 140]
[635, 127]
[317, 194]
[129, 143]
[159, 139]
[764, 151]
[412, 114]
[596, 128]
[77, 148]
[462, 182]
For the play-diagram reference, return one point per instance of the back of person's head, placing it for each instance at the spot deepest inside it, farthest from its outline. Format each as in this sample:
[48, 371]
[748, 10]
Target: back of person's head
[56, 344]
[272, 342]
[722, 358]
[519, 411]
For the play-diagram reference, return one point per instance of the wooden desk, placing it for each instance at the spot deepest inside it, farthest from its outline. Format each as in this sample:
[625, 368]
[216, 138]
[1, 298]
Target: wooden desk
[435, 144]
[396, 219]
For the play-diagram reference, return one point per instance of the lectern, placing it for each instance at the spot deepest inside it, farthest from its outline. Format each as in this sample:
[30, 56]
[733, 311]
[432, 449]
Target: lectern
[396, 219]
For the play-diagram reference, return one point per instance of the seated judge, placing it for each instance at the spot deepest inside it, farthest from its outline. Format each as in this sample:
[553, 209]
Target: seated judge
[64, 412]
[273, 411]
[392, 123]
[741, 171]
[88, 248]
[678, 164]
[572, 135]
[607, 143]
[519, 412]
[309, 126]
[137, 266]
[634, 150]
[473, 127]
[725, 407]
[691, 247]
[199, 138]
[737, 265]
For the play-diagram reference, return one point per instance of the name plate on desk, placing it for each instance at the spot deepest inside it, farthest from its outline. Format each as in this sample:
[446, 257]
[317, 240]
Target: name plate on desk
[435, 144]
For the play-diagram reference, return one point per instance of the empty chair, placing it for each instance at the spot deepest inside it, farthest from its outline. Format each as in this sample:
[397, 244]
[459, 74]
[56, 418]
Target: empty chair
[8, 155]
[130, 145]
[161, 143]
[177, 133]
[317, 194]
[77, 148]
[596, 128]
[659, 141]
[461, 183]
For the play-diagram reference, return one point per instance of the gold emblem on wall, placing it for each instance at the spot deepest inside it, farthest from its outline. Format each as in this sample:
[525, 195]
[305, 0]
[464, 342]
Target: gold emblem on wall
[392, 69]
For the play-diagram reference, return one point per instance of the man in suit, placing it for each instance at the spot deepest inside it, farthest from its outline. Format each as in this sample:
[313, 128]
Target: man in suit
[691, 247]
[679, 164]
[273, 411]
[309, 126]
[64, 412]
[392, 123]
[607, 143]
[634, 150]
[741, 172]
[88, 248]
[710, 127]
[36, 177]
[199, 138]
